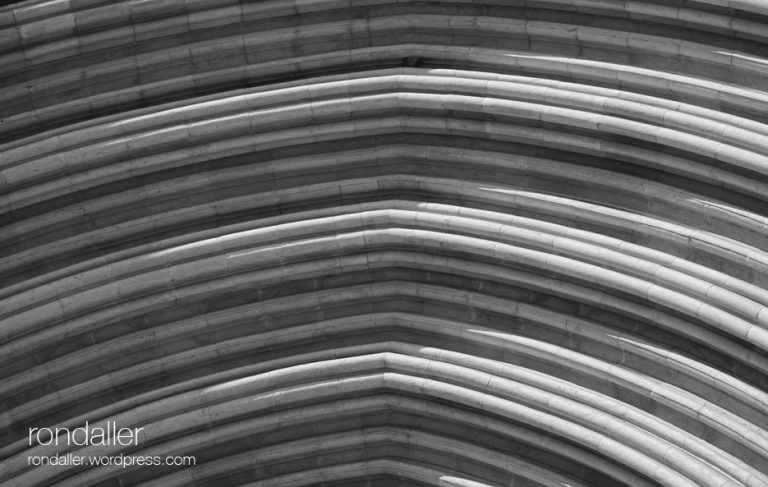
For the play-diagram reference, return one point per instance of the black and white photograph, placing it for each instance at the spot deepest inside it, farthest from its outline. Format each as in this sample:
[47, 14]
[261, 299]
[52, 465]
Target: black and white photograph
[384, 243]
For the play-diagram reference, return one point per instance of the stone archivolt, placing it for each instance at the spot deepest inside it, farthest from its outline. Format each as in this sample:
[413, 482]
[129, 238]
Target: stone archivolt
[463, 243]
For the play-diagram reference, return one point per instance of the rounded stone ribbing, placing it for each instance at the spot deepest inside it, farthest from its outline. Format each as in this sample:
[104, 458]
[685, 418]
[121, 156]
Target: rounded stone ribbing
[404, 243]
